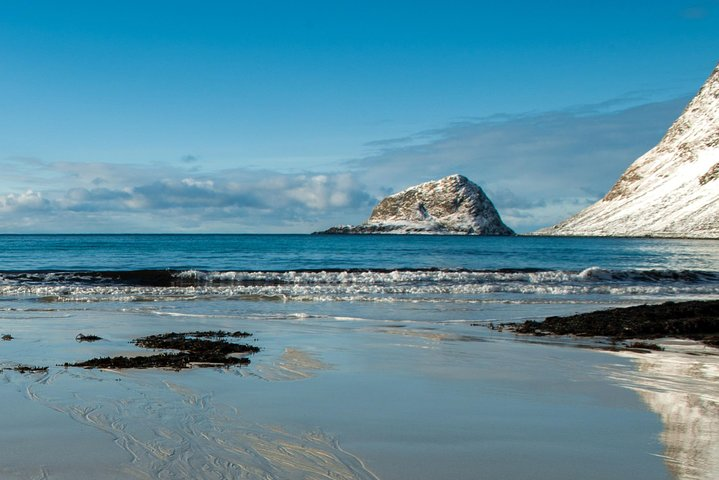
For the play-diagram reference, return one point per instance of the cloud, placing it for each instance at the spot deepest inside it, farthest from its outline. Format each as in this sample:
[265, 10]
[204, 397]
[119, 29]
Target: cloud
[234, 200]
[28, 201]
[269, 192]
[95, 199]
[186, 193]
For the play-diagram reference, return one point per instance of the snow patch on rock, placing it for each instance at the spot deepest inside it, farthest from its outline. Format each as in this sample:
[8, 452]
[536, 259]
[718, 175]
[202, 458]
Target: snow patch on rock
[452, 205]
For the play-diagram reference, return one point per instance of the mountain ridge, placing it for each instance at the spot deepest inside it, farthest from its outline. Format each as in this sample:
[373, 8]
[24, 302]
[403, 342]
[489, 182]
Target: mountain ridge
[670, 191]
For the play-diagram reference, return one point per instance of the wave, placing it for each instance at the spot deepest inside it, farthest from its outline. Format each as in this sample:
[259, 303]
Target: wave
[354, 284]
[658, 275]
[189, 278]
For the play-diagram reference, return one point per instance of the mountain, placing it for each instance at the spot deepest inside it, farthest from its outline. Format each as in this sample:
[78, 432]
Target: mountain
[452, 205]
[670, 191]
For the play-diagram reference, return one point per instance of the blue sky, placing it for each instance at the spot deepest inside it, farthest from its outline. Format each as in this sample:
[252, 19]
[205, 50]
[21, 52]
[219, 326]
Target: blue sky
[179, 116]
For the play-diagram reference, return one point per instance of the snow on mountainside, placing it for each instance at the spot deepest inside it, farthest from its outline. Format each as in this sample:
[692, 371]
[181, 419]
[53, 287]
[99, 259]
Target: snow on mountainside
[672, 190]
[452, 205]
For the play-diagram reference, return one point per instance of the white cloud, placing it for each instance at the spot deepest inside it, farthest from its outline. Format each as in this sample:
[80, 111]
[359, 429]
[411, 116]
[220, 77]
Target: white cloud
[28, 201]
[233, 201]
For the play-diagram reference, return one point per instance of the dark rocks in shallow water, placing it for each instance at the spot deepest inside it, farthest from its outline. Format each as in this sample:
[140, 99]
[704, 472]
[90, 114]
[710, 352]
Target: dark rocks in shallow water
[697, 320]
[361, 229]
[80, 337]
[194, 342]
[151, 278]
[195, 348]
[175, 361]
[644, 346]
[27, 369]
[453, 205]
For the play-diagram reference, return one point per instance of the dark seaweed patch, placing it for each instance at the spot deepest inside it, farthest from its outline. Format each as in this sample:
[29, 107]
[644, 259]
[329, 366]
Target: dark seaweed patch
[27, 369]
[175, 361]
[697, 320]
[87, 338]
[201, 348]
[644, 346]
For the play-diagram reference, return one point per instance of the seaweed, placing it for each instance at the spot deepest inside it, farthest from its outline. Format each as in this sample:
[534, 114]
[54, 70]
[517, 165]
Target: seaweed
[644, 346]
[200, 348]
[27, 369]
[87, 338]
[697, 320]
[175, 361]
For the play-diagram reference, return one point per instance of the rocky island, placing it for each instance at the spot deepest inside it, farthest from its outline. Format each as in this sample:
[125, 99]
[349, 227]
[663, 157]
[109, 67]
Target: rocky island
[453, 205]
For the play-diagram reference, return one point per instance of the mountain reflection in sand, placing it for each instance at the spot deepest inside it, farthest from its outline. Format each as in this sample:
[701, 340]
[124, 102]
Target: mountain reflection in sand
[680, 385]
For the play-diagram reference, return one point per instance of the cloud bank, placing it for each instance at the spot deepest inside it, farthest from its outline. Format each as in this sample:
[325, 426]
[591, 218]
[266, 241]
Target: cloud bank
[537, 168]
[226, 201]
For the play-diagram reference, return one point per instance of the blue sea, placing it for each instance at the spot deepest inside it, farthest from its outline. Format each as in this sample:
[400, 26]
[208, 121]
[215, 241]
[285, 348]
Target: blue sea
[358, 268]
[378, 359]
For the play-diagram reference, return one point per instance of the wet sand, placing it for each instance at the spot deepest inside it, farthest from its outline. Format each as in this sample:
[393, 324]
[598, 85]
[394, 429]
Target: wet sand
[336, 391]
[38, 442]
[680, 385]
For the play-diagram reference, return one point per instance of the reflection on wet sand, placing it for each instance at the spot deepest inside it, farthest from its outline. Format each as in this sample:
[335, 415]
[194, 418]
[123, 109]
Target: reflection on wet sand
[293, 364]
[681, 384]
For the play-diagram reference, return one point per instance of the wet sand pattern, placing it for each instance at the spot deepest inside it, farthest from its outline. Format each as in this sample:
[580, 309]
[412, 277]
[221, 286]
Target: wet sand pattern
[293, 364]
[185, 434]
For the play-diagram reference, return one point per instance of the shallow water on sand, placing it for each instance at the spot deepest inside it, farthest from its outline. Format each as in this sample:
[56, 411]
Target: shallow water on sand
[340, 390]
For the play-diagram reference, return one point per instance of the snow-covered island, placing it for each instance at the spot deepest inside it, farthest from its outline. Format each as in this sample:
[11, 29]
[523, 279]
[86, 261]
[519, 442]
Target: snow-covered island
[670, 191]
[453, 205]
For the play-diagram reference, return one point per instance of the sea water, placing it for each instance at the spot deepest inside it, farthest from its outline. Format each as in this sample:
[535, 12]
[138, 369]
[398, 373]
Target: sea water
[376, 358]
[359, 268]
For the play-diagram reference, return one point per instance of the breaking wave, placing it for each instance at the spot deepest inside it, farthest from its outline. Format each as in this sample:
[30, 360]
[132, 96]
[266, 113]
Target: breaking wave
[354, 284]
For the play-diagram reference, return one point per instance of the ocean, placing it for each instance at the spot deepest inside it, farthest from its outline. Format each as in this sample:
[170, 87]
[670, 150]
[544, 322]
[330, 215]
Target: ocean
[358, 268]
[376, 358]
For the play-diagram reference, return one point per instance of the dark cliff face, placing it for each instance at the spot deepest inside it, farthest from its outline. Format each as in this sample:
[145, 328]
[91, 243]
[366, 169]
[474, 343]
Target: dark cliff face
[452, 205]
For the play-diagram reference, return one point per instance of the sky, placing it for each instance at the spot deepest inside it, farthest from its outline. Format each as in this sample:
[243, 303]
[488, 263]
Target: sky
[291, 117]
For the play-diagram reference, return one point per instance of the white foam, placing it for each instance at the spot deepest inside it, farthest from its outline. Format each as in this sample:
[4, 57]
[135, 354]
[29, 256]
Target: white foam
[382, 286]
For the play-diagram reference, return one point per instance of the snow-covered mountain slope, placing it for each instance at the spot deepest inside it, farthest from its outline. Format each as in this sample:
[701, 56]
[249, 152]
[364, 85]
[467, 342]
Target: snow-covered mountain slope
[452, 205]
[672, 190]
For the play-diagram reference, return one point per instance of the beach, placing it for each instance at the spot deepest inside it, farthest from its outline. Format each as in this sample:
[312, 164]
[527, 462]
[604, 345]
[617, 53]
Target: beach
[331, 396]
